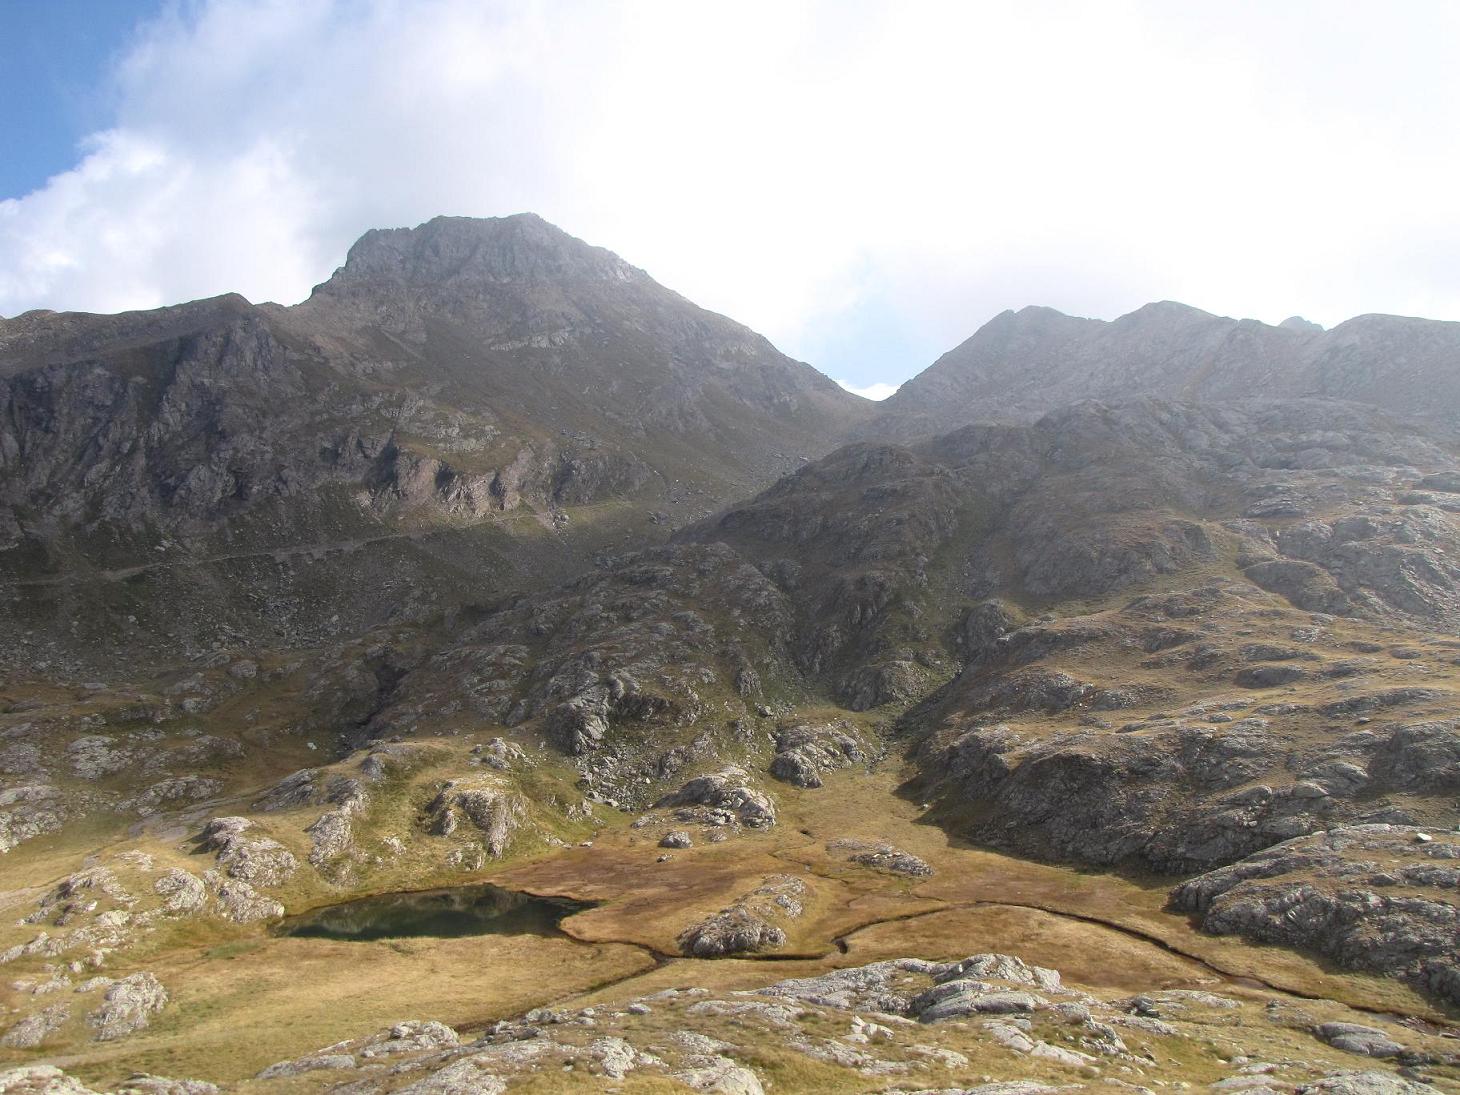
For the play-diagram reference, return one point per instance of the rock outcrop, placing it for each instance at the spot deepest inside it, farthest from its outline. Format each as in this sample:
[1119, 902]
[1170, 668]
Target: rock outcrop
[723, 793]
[492, 810]
[1377, 898]
[751, 924]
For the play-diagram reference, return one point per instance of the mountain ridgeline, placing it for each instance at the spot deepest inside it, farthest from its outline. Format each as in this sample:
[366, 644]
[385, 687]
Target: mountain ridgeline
[1021, 364]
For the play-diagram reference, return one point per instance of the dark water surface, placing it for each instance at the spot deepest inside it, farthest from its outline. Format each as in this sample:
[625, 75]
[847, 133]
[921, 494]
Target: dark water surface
[462, 910]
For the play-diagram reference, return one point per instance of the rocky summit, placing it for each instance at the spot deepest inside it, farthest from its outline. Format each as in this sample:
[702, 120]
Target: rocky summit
[497, 674]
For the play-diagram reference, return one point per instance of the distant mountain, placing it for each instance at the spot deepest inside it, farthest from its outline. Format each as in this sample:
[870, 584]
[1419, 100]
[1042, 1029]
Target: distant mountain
[463, 407]
[1021, 364]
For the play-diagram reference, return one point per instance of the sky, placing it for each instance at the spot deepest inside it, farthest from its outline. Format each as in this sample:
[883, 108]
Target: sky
[864, 182]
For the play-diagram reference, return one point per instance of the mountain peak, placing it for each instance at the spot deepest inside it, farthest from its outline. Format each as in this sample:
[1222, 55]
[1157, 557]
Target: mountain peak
[1165, 311]
[1298, 323]
[472, 250]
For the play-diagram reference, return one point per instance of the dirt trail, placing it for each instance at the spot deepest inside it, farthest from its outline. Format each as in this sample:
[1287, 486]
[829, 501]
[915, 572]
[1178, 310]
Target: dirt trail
[279, 554]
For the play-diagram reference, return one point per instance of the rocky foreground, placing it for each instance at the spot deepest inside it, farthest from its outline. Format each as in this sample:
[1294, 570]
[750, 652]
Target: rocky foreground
[990, 1024]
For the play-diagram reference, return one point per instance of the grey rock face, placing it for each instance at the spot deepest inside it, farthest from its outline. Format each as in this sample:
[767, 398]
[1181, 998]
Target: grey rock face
[983, 984]
[1096, 797]
[734, 930]
[172, 792]
[310, 1063]
[1085, 502]
[1355, 1038]
[297, 789]
[872, 987]
[93, 756]
[1268, 676]
[722, 1076]
[1181, 794]
[959, 999]
[181, 892]
[1366, 1083]
[1422, 757]
[240, 902]
[146, 1084]
[331, 838]
[40, 1080]
[618, 665]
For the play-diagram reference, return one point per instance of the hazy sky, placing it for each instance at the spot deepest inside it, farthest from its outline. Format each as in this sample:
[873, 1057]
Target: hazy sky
[866, 183]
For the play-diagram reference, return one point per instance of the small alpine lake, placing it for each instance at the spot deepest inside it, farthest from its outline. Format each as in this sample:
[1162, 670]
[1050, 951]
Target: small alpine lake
[482, 909]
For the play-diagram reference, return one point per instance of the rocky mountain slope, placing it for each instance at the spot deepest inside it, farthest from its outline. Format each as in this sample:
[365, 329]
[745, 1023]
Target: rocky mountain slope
[1145, 634]
[881, 571]
[1022, 364]
[464, 405]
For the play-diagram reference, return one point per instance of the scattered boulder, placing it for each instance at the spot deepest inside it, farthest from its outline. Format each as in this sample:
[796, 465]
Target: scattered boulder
[128, 1006]
[500, 754]
[256, 860]
[181, 891]
[495, 812]
[722, 1076]
[145, 1084]
[29, 811]
[880, 857]
[749, 925]
[1368, 1041]
[410, 1036]
[727, 790]
[41, 1080]
[805, 750]
[32, 1030]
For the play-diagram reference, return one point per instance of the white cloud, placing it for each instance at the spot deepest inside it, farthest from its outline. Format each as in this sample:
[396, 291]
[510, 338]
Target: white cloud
[795, 164]
[876, 391]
